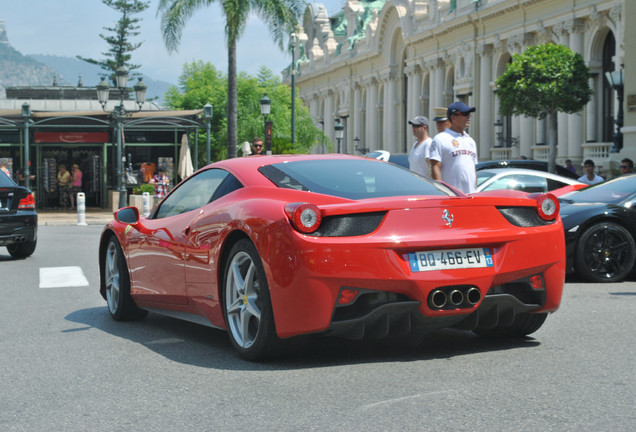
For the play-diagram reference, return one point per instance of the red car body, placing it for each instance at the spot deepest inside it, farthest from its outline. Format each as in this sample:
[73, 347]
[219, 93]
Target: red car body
[360, 285]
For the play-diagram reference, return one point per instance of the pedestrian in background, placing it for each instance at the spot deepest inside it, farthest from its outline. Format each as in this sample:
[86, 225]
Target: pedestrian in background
[627, 166]
[590, 177]
[76, 185]
[161, 182]
[64, 181]
[257, 146]
[418, 156]
[441, 120]
[4, 169]
[570, 166]
[453, 153]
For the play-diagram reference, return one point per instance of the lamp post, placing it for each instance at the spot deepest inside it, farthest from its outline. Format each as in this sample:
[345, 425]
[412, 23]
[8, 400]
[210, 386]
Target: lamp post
[266, 105]
[294, 39]
[616, 81]
[120, 113]
[26, 115]
[339, 128]
[207, 115]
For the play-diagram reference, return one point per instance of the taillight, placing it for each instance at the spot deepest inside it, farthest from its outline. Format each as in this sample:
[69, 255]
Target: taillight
[547, 206]
[27, 203]
[305, 217]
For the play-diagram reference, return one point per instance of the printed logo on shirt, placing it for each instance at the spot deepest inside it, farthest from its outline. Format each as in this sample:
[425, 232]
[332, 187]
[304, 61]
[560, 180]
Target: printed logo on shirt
[455, 143]
[463, 152]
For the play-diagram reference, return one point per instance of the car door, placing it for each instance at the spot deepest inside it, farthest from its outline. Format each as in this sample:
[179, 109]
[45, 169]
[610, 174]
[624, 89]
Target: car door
[157, 254]
[205, 230]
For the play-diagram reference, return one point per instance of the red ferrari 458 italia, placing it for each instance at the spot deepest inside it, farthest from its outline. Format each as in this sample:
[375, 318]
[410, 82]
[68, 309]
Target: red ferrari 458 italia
[271, 247]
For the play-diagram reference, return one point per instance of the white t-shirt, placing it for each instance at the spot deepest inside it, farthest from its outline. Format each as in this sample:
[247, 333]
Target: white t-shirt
[418, 156]
[597, 179]
[458, 155]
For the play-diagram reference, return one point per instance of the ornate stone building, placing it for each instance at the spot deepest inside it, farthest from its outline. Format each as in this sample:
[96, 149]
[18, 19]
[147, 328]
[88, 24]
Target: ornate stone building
[401, 58]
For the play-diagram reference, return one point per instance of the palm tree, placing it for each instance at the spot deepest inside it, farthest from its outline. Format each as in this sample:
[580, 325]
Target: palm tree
[281, 16]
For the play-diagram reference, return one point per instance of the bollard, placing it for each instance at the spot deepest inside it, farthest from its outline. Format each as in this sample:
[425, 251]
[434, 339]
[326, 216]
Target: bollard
[81, 208]
[145, 199]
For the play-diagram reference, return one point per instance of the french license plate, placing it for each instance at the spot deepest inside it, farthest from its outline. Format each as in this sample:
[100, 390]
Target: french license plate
[448, 259]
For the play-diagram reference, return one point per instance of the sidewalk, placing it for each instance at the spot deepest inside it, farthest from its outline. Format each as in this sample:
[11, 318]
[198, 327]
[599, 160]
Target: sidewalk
[93, 216]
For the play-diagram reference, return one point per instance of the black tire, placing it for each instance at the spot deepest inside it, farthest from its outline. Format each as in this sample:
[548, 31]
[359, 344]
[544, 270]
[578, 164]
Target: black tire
[523, 325]
[121, 306]
[247, 306]
[605, 252]
[22, 250]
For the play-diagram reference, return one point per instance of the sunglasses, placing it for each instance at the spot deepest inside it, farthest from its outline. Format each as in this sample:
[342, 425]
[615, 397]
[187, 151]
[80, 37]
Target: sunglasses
[465, 114]
[258, 145]
[624, 167]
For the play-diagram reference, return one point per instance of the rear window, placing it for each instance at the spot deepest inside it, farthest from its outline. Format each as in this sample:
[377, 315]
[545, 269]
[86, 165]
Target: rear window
[352, 178]
[5, 181]
[612, 191]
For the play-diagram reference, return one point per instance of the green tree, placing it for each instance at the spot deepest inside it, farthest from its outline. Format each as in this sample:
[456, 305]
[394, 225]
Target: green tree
[281, 16]
[120, 40]
[201, 83]
[542, 81]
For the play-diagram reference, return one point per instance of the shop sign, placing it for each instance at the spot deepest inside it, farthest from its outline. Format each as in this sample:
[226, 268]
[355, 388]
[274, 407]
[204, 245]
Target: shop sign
[70, 137]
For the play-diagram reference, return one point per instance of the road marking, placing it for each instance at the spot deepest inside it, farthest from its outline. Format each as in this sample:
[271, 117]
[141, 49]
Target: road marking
[59, 277]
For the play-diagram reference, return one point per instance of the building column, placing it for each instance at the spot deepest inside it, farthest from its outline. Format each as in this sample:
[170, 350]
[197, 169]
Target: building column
[356, 117]
[329, 120]
[575, 121]
[485, 108]
[562, 118]
[390, 135]
[591, 119]
[371, 132]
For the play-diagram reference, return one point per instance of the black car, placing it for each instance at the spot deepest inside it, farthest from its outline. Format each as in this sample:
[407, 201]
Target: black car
[527, 164]
[600, 228]
[18, 218]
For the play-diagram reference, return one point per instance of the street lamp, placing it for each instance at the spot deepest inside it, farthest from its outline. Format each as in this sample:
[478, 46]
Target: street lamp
[616, 81]
[26, 115]
[120, 113]
[266, 105]
[339, 128]
[356, 145]
[294, 39]
[207, 115]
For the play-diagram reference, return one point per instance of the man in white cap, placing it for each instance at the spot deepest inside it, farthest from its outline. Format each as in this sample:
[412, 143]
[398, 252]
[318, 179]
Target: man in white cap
[453, 153]
[418, 156]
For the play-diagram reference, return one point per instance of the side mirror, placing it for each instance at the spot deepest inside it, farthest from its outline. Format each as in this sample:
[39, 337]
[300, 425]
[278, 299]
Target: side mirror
[127, 215]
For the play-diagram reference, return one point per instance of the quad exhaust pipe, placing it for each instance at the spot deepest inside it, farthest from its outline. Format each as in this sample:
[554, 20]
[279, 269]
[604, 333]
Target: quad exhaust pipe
[454, 297]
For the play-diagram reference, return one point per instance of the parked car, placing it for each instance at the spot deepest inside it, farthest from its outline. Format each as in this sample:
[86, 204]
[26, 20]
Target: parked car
[280, 246]
[386, 156]
[527, 164]
[600, 229]
[18, 218]
[525, 180]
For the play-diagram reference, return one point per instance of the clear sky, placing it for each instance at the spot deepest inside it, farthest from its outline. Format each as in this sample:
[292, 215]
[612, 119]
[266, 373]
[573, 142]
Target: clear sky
[72, 27]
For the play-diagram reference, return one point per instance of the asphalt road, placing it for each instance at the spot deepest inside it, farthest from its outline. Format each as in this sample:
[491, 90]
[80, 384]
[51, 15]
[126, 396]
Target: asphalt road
[66, 366]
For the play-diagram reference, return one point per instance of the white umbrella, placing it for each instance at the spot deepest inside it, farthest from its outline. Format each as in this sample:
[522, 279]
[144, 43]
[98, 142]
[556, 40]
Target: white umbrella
[185, 161]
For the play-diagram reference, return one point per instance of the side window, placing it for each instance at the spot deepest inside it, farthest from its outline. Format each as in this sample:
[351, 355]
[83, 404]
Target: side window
[533, 183]
[555, 184]
[194, 193]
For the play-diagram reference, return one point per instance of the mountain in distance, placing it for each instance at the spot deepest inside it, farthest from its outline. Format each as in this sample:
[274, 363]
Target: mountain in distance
[71, 69]
[20, 70]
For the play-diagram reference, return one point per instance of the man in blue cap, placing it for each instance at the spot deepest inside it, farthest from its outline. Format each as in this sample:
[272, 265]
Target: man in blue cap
[453, 153]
